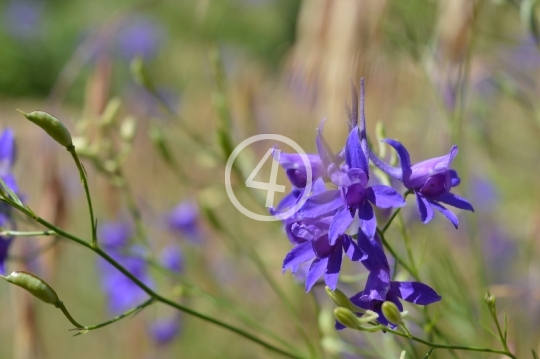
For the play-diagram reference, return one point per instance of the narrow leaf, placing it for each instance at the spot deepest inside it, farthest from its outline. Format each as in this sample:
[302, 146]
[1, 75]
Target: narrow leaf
[428, 354]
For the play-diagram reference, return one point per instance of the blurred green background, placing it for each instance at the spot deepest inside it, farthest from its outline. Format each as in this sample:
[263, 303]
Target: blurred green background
[437, 73]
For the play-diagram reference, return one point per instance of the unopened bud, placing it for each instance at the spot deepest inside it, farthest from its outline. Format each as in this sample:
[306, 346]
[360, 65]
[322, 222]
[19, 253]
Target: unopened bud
[36, 286]
[391, 312]
[128, 129]
[140, 73]
[111, 111]
[347, 318]
[51, 125]
[490, 300]
[341, 300]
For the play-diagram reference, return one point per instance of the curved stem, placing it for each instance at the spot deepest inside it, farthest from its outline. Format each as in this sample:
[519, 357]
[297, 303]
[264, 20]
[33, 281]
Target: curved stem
[145, 288]
[136, 309]
[449, 346]
[60, 305]
[84, 180]
[397, 256]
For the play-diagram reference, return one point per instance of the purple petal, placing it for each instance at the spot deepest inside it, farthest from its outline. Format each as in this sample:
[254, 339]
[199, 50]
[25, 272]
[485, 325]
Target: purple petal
[321, 205]
[384, 197]
[7, 148]
[333, 268]
[317, 269]
[454, 178]
[342, 220]
[5, 243]
[456, 201]
[403, 155]
[325, 152]
[426, 212]
[369, 222]
[377, 285]
[172, 258]
[114, 234]
[372, 247]
[288, 201]
[446, 212]
[299, 254]
[352, 250]
[354, 156]
[415, 292]
[184, 218]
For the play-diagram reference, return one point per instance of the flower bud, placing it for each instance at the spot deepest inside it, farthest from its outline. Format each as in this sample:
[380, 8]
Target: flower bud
[490, 301]
[346, 317]
[140, 73]
[391, 312]
[111, 111]
[51, 125]
[341, 300]
[128, 129]
[34, 285]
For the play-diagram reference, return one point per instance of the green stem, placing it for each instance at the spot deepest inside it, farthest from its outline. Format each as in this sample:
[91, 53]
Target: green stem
[145, 288]
[444, 346]
[27, 234]
[244, 317]
[115, 319]
[60, 305]
[84, 180]
[397, 256]
[501, 335]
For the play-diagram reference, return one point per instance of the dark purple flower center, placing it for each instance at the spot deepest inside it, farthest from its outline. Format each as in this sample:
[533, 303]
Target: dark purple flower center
[297, 177]
[436, 185]
[322, 247]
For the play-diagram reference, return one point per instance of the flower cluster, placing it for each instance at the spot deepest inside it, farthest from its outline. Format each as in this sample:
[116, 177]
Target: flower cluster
[7, 159]
[320, 230]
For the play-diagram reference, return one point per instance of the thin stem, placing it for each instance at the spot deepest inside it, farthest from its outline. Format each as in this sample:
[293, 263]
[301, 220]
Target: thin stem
[115, 319]
[444, 346]
[501, 335]
[397, 256]
[390, 220]
[244, 317]
[84, 180]
[27, 234]
[145, 288]
[60, 305]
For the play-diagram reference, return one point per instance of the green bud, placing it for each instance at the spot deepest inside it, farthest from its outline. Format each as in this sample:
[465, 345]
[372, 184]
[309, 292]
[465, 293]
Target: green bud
[140, 73]
[347, 318]
[490, 301]
[391, 312]
[341, 300]
[34, 285]
[128, 129]
[111, 111]
[51, 125]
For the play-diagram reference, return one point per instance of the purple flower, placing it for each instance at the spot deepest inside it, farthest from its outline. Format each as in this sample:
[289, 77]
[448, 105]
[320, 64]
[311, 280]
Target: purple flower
[295, 169]
[379, 288]
[172, 258]
[22, 18]
[353, 195]
[122, 293]
[7, 158]
[313, 245]
[164, 330]
[184, 219]
[141, 37]
[431, 181]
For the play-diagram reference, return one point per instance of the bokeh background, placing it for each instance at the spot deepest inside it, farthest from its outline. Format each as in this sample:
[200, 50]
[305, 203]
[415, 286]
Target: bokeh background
[437, 73]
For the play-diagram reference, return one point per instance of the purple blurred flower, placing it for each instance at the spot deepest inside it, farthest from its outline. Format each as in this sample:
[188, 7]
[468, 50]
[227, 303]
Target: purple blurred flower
[431, 181]
[7, 159]
[184, 219]
[122, 293]
[379, 288]
[164, 330]
[140, 37]
[22, 18]
[172, 258]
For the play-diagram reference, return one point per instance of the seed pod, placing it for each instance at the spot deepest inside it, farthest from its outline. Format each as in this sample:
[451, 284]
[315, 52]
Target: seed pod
[347, 318]
[51, 125]
[391, 312]
[341, 300]
[34, 285]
